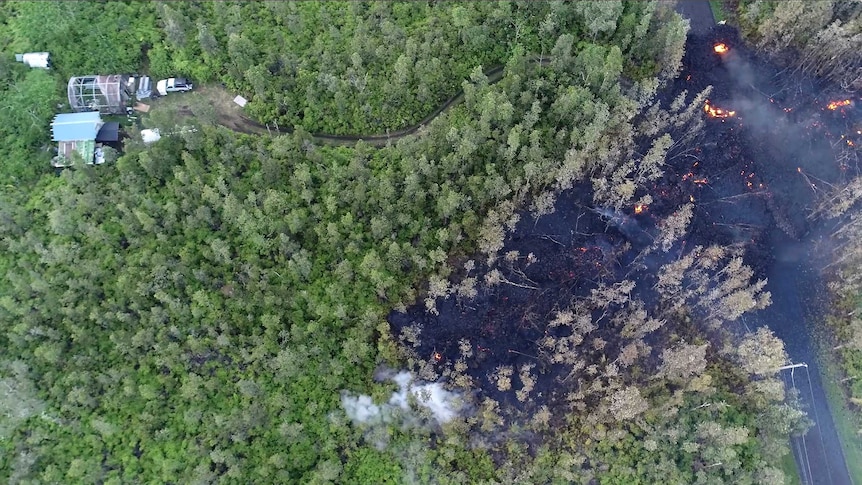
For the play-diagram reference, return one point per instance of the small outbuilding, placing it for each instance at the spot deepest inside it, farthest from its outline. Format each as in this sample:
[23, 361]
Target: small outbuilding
[106, 94]
[109, 132]
[75, 134]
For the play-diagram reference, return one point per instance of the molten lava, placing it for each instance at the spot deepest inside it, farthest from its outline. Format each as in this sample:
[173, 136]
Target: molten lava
[717, 112]
[720, 48]
[833, 105]
[437, 356]
[639, 208]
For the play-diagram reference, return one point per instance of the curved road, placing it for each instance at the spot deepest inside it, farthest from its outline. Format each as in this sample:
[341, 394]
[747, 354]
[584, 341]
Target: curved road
[494, 75]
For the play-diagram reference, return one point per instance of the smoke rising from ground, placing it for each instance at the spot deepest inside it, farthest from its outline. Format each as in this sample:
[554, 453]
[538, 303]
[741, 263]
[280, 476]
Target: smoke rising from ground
[431, 399]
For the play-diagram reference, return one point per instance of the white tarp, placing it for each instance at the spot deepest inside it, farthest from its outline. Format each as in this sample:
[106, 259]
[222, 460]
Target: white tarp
[240, 101]
[34, 59]
[150, 136]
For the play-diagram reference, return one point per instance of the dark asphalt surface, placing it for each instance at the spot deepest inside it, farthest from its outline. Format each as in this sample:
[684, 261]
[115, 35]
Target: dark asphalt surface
[796, 288]
[796, 292]
[698, 13]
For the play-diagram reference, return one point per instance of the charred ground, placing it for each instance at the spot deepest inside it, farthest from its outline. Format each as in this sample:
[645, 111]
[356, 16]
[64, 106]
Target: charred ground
[752, 179]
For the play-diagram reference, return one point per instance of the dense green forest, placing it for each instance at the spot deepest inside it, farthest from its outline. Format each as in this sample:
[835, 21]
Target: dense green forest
[194, 312]
[336, 67]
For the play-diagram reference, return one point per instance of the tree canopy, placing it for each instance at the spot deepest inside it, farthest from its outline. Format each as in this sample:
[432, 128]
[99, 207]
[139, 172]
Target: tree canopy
[195, 311]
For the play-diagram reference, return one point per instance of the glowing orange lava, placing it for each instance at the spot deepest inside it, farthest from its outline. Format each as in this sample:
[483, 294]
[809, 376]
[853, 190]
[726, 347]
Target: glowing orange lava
[717, 112]
[438, 356]
[720, 48]
[639, 208]
[833, 105]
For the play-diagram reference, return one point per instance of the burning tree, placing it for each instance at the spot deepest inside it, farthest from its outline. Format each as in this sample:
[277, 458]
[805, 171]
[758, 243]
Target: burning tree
[717, 112]
[665, 132]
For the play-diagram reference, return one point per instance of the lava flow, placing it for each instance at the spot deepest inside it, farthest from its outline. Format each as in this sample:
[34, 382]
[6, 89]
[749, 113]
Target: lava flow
[720, 48]
[717, 112]
[639, 208]
[833, 105]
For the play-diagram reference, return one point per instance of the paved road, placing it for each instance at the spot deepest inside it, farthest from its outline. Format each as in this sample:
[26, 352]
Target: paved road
[792, 281]
[794, 285]
[698, 13]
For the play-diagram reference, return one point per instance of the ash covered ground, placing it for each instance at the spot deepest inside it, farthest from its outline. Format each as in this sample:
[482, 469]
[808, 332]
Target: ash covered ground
[752, 178]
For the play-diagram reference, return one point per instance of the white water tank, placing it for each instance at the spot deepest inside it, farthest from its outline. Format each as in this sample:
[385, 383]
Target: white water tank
[34, 59]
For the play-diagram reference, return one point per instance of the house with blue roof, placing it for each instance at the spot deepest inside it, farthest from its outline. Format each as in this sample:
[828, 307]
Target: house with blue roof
[75, 134]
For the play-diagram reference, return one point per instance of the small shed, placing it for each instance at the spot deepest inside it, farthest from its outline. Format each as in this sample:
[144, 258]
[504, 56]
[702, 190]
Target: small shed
[75, 133]
[109, 132]
[106, 94]
[35, 59]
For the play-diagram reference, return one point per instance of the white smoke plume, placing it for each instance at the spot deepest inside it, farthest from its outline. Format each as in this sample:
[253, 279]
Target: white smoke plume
[360, 409]
[442, 405]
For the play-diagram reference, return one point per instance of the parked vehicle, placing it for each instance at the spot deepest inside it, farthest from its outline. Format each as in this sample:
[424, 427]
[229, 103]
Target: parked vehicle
[173, 85]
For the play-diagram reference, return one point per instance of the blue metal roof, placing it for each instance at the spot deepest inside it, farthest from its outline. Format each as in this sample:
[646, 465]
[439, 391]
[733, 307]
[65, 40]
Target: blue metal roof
[76, 126]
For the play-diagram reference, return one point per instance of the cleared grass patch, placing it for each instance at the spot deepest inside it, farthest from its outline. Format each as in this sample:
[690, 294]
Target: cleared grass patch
[209, 104]
[788, 466]
[718, 13]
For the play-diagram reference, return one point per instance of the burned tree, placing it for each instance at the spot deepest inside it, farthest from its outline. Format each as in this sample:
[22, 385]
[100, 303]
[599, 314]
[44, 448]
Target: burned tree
[713, 283]
[683, 362]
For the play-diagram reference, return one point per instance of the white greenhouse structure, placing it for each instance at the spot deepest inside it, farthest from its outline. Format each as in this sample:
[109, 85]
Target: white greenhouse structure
[103, 93]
